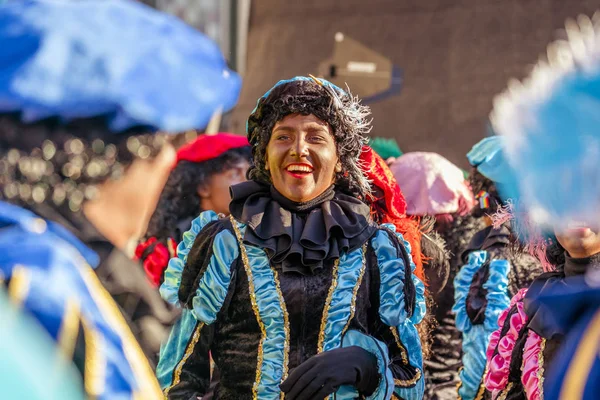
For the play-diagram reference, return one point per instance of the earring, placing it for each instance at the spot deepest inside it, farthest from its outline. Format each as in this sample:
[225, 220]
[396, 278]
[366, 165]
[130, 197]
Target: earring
[338, 168]
[266, 167]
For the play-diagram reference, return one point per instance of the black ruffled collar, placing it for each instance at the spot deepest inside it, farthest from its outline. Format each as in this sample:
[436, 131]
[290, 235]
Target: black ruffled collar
[301, 237]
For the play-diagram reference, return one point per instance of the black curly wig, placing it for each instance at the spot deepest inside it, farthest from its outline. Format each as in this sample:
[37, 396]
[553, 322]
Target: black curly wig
[343, 112]
[180, 199]
[61, 164]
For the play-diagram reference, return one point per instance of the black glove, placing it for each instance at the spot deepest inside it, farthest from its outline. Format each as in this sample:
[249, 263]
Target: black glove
[322, 374]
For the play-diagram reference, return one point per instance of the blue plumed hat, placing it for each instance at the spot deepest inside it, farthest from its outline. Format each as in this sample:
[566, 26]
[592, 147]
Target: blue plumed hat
[550, 124]
[117, 59]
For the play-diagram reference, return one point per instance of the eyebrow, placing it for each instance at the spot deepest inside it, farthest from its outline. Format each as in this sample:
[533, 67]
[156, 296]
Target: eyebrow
[317, 128]
[314, 127]
[284, 128]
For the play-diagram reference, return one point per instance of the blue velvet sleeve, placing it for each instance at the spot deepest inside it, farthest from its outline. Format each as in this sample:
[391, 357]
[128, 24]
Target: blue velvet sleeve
[401, 300]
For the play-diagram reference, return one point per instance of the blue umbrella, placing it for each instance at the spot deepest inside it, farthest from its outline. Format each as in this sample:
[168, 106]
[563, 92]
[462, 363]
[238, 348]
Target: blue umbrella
[114, 58]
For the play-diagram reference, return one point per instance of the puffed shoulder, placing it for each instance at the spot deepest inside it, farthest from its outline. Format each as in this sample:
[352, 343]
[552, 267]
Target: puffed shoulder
[197, 243]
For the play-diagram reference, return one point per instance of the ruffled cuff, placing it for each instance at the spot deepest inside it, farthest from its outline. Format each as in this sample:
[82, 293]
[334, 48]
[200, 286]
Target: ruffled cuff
[169, 290]
[412, 342]
[385, 387]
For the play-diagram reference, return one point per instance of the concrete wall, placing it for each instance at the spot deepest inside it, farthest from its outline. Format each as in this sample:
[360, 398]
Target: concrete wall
[456, 55]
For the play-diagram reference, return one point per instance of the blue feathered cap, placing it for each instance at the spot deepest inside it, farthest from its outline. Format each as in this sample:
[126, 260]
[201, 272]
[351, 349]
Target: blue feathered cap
[551, 126]
[118, 58]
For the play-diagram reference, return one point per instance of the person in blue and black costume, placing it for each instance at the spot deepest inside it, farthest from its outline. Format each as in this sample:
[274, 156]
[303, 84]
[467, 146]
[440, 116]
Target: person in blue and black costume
[298, 293]
[574, 373]
[493, 268]
[81, 170]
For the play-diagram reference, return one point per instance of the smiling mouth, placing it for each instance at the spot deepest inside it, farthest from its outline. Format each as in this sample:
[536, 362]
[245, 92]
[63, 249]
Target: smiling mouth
[299, 170]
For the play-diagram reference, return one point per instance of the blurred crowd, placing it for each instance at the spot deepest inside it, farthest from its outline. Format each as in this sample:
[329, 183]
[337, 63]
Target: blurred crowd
[145, 254]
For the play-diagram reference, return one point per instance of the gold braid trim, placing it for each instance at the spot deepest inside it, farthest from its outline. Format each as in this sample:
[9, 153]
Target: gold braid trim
[404, 355]
[263, 331]
[188, 352]
[581, 364]
[481, 390]
[394, 331]
[95, 364]
[334, 279]
[409, 382]
[286, 328]
[67, 335]
[18, 287]
[149, 388]
[540, 373]
[504, 393]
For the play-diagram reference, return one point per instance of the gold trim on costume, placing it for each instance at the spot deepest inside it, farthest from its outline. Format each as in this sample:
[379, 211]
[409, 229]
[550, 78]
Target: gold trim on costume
[403, 353]
[410, 382]
[481, 391]
[582, 362]
[18, 286]
[263, 331]
[504, 393]
[286, 328]
[356, 287]
[334, 279]
[540, 372]
[148, 385]
[67, 335]
[95, 363]
[188, 352]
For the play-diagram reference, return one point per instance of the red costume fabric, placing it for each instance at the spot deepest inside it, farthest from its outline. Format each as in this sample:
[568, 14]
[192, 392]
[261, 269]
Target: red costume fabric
[389, 206]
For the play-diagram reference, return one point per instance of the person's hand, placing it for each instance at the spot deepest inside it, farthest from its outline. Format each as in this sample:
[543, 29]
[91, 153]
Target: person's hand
[322, 374]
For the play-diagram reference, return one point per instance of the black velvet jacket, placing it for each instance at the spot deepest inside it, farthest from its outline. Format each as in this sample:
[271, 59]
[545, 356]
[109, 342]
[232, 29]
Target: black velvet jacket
[234, 339]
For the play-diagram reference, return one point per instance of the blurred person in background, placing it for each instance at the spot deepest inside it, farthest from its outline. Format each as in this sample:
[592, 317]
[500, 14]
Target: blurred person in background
[494, 268]
[82, 170]
[298, 294]
[549, 124]
[433, 186]
[427, 248]
[206, 168]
